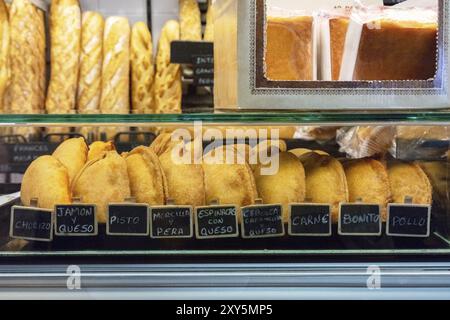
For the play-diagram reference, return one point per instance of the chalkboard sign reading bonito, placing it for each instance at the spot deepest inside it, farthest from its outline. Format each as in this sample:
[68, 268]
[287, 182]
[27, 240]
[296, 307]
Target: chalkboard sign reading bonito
[75, 220]
[359, 220]
[262, 221]
[127, 219]
[171, 222]
[32, 224]
[216, 222]
[408, 220]
[310, 220]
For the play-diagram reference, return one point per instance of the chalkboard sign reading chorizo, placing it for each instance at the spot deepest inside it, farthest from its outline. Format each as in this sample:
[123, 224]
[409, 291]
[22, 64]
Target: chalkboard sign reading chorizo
[359, 220]
[216, 222]
[75, 220]
[31, 224]
[171, 222]
[408, 220]
[127, 219]
[310, 220]
[262, 221]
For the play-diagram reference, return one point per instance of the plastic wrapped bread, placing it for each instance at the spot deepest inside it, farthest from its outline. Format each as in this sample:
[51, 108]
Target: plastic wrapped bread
[26, 91]
[4, 52]
[209, 29]
[142, 69]
[190, 20]
[168, 87]
[90, 80]
[65, 32]
[116, 67]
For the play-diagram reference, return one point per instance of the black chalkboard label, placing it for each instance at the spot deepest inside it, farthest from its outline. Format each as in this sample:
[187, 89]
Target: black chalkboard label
[216, 222]
[32, 224]
[76, 220]
[408, 220]
[171, 222]
[310, 220]
[262, 221]
[359, 220]
[203, 70]
[127, 219]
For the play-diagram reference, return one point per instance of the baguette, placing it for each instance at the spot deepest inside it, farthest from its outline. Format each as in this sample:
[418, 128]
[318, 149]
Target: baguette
[142, 69]
[116, 67]
[26, 91]
[65, 32]
[168, 88]
[4, 52]
[90, 81]
[190, 20]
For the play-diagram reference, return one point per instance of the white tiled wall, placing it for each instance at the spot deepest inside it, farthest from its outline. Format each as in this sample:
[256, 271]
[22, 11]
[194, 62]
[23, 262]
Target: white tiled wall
[162, 10]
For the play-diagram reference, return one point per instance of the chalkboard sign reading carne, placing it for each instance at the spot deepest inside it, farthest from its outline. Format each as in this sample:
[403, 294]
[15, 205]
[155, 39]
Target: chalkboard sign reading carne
[359, 219]
[310, 220]
[127, 219]
[216, 222]
[203, 70]
[408, 220]
[171, 222]
[76, 220]
[262, 221]
[32, 224]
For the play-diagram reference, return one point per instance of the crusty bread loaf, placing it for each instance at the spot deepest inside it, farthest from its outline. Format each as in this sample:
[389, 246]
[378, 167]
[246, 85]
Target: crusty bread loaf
[90, 80]
[142, 69]
[190, 20]
[26, 92]
[4, 52]
[168, 89]
[209, 29]
[116, 67]
[65, 32]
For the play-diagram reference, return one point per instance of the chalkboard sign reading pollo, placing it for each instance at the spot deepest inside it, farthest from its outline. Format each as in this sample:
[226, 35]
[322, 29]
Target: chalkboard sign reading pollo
[216, 222]
[127, 219]
[310, 220]
[359, 219]
[75, 220]
[171, 222]
[262, 221]
[408, 220]
[32, 224]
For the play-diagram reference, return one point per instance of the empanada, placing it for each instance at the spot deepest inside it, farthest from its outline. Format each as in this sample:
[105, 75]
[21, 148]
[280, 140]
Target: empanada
[73, 154]
[98, 148]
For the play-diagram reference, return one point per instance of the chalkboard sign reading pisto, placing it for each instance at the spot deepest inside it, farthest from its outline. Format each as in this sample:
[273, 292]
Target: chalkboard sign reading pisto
[127, 219]
[262, 221]
[408, 220]
[171, 222]
[216, 222]
[33, 224]
[76, 220]
[359, 219]
[309, 220]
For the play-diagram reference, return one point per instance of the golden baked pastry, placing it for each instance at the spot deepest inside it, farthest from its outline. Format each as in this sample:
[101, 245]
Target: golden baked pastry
[142, 69]
[72, 153]
[98, 148]
[338, 32]
[4, 52]
[209, 29]
[168, 88]
[47, 180]
[299, 152]
[409, 180]
[289, 51]
[285, 186]
[65, 32]
[91, 59]
[325, 181]
[190, 20]
[368, 182]
[438, 172]
[26, 91]
[147, 180]
[408, 47]
[116, 67]
[103, 181]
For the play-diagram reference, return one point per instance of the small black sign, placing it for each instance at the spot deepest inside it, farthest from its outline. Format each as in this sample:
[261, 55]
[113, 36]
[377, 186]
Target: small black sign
[75, 220]
[203, 70]
[262, 221]
[171, 222]
[408, 220]
[127, 219]
[31, 224]
[17, 157]
[359, 220]
[182, 52]
[216, 222]
[310, 220]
